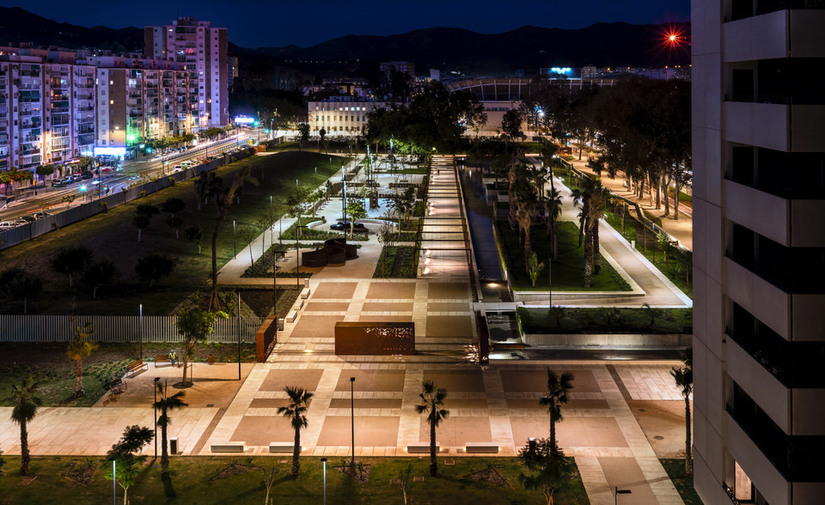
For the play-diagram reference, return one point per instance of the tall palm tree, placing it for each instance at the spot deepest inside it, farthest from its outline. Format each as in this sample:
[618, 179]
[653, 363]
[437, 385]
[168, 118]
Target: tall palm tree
[558, 387]
[296, 413]
[25, 403]
[553, 210]
[432, 401]
[80, 347]
[683, 376]
[598, 201]
[166, 404]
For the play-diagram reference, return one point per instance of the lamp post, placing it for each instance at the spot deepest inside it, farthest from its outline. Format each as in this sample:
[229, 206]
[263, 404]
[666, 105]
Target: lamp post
[352, 412]
[239, 336]
[114, 480]
[234, 241]
[324, 461]
[316, 177]
[154, 407]
[616, 494]
[140, 330]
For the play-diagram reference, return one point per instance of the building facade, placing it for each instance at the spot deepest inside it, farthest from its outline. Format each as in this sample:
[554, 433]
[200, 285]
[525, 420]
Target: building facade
[200, 49]
[47, 111]
[759, 251]
[341, 117]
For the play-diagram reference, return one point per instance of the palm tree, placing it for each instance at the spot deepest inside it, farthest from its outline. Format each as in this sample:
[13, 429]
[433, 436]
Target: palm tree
[598, 202]
[25, 403]
[557, 389]
[80, 347]
[683, 376]
[296, 413]
[553, 209]
[166, 404]
[432, 401]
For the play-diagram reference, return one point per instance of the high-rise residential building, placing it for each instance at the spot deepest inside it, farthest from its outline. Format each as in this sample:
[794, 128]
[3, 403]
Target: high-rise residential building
[202, 49]
[141, 99]
[47, 111]
[759, 251]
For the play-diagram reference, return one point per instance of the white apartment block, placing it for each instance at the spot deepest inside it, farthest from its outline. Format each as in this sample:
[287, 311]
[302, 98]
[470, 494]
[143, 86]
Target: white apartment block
[759, 251]
[140, 100]
[47, 111]
[203, 50]
[343, 117]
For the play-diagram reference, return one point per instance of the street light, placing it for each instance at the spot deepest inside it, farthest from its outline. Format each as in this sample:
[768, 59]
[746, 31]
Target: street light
[141, 330]
[352, 412]
[234, 241]
[155, 408]
[617, 493]
[114, 480]
[324, 461]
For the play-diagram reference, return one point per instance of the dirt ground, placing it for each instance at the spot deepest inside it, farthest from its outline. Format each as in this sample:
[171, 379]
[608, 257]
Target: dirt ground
[663, 422]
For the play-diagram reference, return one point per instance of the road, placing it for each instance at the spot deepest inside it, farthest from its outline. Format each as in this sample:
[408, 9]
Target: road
[51, 199]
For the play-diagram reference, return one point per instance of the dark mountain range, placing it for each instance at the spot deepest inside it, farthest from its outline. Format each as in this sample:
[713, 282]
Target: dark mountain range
[528, 48]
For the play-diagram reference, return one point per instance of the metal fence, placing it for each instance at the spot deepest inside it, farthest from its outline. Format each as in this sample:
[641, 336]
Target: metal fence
[48, 224]
[119, 329]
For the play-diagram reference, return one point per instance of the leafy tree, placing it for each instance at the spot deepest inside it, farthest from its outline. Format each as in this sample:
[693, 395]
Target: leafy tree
[227, 198]
[80, 347]
[270, 472]
[25, 403]
[322, 133]
[99, 274]
[534, 268]
[16, 284]
[44, 170]
[175, 222]
[303, 130]
[511, 123]
[547, 468]
[558, 387]
[402, 205]
[194, 234]
[72, 260]
[432, 403]
[166, 404]
[143, 217]
[124, 453]
[683, 377]
[248, 234]
[153, 267]
[195, 325]
[355, 210]
[295, 411]
[172, 206]
[404, 477]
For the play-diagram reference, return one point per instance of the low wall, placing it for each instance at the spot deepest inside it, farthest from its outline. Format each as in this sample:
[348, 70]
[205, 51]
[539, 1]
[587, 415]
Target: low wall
[608, 340]
[266, 338]
[366, 338]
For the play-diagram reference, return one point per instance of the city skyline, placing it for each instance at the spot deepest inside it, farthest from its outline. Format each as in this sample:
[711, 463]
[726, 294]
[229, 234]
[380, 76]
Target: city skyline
[275, 26]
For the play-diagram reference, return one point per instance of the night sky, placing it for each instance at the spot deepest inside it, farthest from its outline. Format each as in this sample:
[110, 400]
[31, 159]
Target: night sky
[257, 23]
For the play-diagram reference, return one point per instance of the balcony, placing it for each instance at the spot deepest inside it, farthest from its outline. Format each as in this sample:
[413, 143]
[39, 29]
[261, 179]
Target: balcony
[780, 127]
[743, 9]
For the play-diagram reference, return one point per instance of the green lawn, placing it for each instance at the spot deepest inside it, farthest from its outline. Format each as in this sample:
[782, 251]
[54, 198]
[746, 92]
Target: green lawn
[54, 372]
[606, 320]
[675, 469]
[196, 481]
[112, 236]
[567, 273]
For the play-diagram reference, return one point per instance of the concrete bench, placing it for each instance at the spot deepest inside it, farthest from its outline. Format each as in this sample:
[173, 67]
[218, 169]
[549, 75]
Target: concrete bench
[283, 447]
[290, 318]
[298, 305]
[481, 448]
[228, 447]
[421, 448]
[305, 293]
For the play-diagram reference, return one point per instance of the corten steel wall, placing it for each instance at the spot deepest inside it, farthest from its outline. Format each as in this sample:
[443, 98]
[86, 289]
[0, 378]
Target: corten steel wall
[118, 329]
[266, 338]
[25, 232]
[365, 338]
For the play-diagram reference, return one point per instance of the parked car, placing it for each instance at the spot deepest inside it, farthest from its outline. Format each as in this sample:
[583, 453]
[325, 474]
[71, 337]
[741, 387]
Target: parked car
[178, 168]
[59, 183]
[86, 175]
[41, 214]
[7, 225]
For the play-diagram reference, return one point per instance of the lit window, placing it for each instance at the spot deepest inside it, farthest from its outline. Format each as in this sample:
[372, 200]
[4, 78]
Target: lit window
[742, 485]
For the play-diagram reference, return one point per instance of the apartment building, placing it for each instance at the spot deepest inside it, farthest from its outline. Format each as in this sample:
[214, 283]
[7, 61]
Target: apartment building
[759, 251]
[47, 111]
[140, 99]
[340, 116]
[200, 49]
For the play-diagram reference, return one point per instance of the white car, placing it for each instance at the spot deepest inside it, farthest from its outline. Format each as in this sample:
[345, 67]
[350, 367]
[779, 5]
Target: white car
[6, 225]
[178, 168]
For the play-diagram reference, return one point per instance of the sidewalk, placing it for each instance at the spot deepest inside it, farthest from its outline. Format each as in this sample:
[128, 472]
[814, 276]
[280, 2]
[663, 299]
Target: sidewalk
[681, 229]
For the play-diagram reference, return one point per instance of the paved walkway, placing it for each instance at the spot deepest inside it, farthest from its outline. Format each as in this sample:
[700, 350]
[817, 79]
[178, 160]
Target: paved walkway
[496, 405]
[681, 229]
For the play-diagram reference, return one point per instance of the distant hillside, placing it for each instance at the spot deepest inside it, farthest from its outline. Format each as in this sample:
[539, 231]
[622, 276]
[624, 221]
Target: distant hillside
[529, 47]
